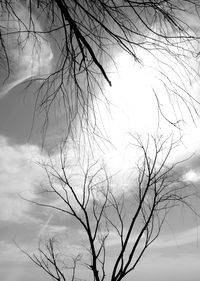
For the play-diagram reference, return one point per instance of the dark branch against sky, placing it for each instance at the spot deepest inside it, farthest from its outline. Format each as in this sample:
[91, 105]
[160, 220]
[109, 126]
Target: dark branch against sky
[121, 78]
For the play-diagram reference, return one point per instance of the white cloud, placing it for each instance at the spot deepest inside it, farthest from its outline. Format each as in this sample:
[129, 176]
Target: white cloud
[191, 176]
[18, 175]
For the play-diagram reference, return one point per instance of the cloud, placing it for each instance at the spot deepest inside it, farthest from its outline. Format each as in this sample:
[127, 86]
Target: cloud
[18, 175]
[182, 238]
[192, 176]
[30, 54]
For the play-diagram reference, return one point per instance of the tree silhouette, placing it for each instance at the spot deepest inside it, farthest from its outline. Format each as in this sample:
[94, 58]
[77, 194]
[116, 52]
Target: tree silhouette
[67, 48]
[132, 216]
[83, 37]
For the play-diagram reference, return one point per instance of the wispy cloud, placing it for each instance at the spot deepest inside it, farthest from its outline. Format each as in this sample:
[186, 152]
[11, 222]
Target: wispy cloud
[30, 53]
[181, 238]
[163, 241]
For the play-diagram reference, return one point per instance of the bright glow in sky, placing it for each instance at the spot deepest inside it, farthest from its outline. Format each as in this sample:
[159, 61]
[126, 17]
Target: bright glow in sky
[133, 108]
[133, 105]
[192, 176]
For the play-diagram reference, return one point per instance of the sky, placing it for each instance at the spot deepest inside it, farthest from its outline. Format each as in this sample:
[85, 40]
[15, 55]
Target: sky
[132, 109]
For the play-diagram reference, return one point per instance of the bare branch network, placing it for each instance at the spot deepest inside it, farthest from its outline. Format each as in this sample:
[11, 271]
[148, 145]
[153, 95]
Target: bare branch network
[85, 35]
[81, 39]
[130, 218]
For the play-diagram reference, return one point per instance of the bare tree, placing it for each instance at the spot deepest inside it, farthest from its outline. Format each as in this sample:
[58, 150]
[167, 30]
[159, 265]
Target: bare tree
[84, 36]
[133, 216]
[53, 263]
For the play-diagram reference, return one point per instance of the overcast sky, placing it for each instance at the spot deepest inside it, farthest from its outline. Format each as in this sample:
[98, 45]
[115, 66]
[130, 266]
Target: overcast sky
[133, 108]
